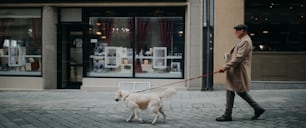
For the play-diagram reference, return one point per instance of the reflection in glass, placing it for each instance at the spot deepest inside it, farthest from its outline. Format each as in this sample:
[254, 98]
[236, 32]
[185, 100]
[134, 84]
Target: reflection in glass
[153, 42]
[20, 42]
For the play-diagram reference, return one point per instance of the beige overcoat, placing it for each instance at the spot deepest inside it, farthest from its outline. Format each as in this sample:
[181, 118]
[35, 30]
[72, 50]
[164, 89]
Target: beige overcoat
[238, 66]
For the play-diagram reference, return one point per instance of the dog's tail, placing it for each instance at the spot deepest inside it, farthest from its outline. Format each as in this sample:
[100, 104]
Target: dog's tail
[167, 93]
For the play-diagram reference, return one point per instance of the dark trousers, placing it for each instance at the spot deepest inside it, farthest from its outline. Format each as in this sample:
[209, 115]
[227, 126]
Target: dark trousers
[230, 96]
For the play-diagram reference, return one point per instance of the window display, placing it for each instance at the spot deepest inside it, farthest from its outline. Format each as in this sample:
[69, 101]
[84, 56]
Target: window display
[112, 53]
[159, 44]
[159, 57]
[20, 42]
[136, 47]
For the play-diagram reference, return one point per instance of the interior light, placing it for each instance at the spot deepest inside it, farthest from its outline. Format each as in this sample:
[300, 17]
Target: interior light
[103, 37]
[265, 32]
[290, 7]
[270, 6]
[266, 19]
[30, 30]
[252, 34]
[98, 24]
[302, 17]
[261, 47]
[98, 33]
[180, 33]
[302, 5]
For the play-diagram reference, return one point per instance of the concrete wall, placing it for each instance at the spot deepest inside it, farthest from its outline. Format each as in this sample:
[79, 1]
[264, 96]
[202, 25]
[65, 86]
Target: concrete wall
[228, 13]
[278, 66]
[21, 83]
[49, 40]
[194, 45]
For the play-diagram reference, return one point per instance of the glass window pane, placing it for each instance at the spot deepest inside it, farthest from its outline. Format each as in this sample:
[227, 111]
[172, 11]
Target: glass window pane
[112, 53]
[159, 47]
[20, 42]
[276, 25]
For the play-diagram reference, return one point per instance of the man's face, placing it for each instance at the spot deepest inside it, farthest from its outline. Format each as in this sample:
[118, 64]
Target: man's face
[239, 33]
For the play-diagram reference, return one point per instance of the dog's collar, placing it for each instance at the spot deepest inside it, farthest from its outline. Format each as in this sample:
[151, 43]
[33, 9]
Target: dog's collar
[124, 98]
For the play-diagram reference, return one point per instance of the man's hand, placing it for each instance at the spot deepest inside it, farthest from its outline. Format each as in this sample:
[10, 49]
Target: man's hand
[221, 70]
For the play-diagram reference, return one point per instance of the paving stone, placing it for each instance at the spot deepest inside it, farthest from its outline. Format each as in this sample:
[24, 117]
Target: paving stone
[70, 109]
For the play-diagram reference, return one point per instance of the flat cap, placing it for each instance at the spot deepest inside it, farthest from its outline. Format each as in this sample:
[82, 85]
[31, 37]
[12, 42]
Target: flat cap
[241, 26]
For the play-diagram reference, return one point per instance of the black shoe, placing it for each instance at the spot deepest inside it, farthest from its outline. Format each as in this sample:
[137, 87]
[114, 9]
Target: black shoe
[224, 118]
[258, 113]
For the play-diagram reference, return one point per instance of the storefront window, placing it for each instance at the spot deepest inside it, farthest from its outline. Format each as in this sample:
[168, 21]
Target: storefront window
[136, 47]
[20, 42]
[276, 25]
[159, 47]
[111, 44]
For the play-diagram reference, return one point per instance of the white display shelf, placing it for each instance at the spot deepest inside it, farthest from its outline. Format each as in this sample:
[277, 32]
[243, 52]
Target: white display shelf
[110, 74]
[153, 74]
[159, 57]
[151, 57]
[125, 74]
[32, 56]
[4, 56]
[137, 57]
[112, 58]
[102, 57]
[27, 56]
[96, 57]
[32, 73]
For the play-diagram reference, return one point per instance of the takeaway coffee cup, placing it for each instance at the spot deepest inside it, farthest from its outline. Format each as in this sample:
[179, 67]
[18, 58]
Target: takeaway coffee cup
[226, 57]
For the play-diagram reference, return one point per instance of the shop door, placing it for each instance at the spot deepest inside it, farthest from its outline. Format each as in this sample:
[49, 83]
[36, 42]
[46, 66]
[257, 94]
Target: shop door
[70, 56]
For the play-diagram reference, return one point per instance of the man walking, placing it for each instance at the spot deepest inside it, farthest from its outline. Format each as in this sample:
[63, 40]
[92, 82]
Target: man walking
[238, 74]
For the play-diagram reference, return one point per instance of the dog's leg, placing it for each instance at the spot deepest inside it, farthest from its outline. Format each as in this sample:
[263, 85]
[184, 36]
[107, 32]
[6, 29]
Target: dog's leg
[163, 113]
[131, 116]
[156, 111]
[137, 115]
[155, 118]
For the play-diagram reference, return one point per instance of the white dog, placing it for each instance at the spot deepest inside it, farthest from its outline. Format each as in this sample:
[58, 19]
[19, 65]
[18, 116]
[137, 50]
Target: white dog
[137, 102]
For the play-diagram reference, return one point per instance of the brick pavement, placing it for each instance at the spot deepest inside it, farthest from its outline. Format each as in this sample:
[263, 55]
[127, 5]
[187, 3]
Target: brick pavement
[79, 109]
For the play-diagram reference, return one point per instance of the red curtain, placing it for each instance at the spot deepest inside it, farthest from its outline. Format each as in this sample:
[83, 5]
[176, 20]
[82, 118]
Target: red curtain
[36, 31]
[131, 27]
[106, 29]
[166, 27]
[142, 31]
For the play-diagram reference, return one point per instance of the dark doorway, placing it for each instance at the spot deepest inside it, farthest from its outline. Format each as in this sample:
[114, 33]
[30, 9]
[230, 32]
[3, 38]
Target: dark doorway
[70, 45]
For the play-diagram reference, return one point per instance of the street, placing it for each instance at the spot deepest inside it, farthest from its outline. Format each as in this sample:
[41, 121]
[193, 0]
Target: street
[285, 108]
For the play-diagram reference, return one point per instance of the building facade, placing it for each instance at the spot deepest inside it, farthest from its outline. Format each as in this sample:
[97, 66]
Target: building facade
[100, 45]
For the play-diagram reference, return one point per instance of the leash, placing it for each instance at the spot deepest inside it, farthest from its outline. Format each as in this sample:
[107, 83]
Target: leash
[201, 76]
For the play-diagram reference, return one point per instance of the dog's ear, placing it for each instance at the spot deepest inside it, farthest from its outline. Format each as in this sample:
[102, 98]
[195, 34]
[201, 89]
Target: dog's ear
[118, 93]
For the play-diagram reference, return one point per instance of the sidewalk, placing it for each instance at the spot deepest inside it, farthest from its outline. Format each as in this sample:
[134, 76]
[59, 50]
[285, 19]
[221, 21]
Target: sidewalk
[79, 109]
